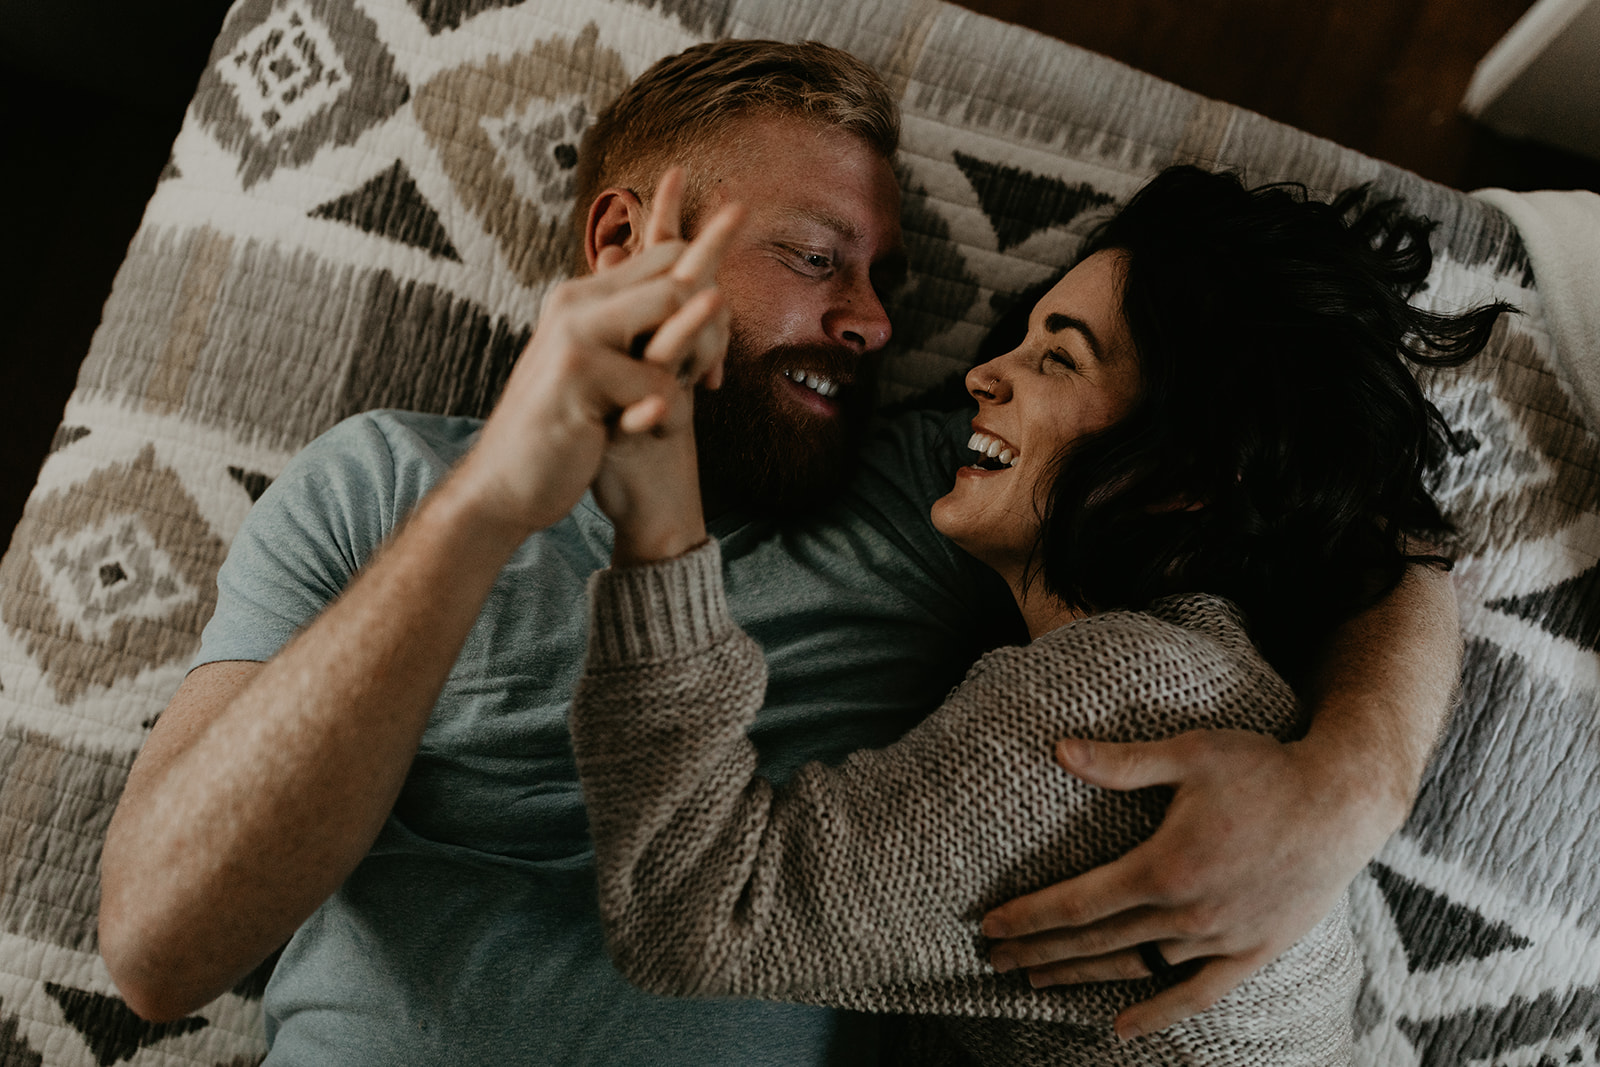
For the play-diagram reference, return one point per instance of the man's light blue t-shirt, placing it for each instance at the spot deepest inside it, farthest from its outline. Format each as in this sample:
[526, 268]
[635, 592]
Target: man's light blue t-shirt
[469, 934]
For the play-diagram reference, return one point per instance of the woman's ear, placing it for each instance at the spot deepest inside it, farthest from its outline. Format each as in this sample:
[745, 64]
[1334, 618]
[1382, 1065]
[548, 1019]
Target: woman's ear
[615, 229]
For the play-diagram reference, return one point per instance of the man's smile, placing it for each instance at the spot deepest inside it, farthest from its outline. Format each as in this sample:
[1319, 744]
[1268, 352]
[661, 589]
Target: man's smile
[813, 391]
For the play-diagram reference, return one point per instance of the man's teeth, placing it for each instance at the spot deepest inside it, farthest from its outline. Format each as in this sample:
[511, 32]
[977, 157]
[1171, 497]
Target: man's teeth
[820, 386]
[994, 448]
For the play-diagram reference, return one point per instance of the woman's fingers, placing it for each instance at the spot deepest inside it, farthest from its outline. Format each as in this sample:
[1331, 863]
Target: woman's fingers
[635, 298]
[659, 305]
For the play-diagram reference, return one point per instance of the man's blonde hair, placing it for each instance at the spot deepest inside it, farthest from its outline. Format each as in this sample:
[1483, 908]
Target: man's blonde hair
[673, 110]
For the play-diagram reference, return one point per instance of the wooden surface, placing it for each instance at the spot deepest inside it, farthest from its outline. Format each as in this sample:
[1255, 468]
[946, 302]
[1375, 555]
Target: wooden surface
[92, 93]
[1381, 76]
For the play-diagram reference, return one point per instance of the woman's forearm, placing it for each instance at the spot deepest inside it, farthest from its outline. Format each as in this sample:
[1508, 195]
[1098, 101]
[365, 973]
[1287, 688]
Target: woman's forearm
[860, 885]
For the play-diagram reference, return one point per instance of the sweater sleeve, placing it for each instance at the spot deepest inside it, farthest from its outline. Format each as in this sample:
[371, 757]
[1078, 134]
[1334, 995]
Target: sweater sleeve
[862, 886]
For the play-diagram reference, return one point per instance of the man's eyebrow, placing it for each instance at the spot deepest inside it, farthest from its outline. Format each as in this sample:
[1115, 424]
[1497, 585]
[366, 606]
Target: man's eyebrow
[841, 226]
[1056, 322]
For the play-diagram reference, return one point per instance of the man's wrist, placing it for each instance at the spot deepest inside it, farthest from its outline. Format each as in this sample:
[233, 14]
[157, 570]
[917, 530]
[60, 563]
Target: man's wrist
[474, 515]
[1378, 788]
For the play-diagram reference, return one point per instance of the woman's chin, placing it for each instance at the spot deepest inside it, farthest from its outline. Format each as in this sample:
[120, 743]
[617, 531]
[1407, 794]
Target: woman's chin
[954, 518]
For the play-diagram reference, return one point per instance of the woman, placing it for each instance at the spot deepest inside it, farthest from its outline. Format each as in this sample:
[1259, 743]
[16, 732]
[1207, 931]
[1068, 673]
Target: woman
[1205, 452]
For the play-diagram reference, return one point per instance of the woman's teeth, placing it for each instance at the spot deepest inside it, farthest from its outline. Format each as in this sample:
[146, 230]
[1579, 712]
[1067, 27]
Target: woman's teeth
[992, 447]
[820, 386]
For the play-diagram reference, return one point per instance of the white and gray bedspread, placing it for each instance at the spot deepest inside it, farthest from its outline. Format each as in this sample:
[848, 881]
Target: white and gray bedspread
[364, 208]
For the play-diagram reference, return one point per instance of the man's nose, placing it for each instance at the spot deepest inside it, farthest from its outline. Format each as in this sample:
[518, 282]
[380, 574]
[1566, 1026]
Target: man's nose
[859, 320]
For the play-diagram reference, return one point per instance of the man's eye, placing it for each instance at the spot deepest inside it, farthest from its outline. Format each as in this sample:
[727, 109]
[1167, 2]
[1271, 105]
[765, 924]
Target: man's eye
[812, 263]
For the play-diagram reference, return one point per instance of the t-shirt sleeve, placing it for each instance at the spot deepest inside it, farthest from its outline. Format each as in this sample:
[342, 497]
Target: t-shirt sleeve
[302, 542]
[862, 886]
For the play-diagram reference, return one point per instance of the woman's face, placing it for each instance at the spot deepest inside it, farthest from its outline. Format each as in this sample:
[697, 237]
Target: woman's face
[1075, 373]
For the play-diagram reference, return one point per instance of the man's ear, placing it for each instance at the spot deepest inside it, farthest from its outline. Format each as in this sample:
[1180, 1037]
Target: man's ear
[615, 230]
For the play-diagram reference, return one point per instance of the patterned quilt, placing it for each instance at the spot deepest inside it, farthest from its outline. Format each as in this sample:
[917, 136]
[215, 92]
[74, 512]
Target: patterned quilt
[364, 208]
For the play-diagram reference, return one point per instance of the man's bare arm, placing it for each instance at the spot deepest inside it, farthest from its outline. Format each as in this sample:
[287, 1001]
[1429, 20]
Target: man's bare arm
[262, 786]
[1261, 837]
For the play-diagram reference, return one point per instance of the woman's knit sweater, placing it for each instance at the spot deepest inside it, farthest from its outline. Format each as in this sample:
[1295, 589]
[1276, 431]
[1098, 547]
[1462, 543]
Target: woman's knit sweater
[862, 886]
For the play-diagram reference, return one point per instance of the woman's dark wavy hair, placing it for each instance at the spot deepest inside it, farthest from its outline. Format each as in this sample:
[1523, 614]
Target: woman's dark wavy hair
[1273, 335]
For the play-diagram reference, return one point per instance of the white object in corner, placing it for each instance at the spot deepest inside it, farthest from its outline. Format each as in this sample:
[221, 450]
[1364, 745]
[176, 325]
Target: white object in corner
[1542, 80]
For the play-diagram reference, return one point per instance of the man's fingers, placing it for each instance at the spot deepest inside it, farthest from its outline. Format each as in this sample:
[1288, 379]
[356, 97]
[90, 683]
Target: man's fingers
[1116, 967]
[1210, 983]
[700, 260]
[627, 320]
[712, 349]
[676, 345]
[1128, 765]
[665, 222]
[1078, 902]
[1120, 933]
[630, 270]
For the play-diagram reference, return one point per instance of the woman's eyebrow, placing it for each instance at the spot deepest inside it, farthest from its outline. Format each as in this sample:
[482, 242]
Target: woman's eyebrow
[1056, 322]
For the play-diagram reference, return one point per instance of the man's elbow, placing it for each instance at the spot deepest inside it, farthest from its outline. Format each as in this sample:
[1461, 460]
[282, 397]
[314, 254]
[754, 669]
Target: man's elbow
[151, 984]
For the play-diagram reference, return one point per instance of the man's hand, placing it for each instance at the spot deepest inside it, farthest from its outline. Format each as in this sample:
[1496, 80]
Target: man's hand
[262, 786]
[648, 483]
[1259, 841]
[1261, 837]
[580, 380]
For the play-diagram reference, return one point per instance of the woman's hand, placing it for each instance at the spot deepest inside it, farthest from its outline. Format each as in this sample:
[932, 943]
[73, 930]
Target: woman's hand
[648, 483]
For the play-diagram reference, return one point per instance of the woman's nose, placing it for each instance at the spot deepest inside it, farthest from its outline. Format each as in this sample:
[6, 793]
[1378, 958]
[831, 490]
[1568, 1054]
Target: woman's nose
[987, 382]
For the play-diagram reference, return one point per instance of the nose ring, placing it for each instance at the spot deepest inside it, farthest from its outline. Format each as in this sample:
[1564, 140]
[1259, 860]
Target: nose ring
[992, 383]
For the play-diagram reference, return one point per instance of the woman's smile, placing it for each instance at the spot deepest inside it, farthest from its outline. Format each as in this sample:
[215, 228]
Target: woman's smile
[1074, 374]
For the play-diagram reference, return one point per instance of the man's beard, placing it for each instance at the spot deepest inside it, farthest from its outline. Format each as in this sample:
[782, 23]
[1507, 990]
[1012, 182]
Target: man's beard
[760, 451]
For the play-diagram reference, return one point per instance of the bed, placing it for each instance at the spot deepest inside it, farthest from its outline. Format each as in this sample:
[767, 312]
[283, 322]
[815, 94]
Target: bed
[364, 208]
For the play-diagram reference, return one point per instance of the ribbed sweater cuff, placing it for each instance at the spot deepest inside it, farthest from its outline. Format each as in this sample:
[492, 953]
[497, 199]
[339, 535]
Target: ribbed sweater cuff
[663, 611]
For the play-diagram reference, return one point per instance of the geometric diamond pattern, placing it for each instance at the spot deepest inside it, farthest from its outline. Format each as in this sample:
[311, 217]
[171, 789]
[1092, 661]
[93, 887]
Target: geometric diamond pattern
[253, 482]
[390, 205]
[289, 77]
[14, 1048]
[1569, 610]
[111, 1028]
[1489, 1035]
[1437, 931]
[1020, 204]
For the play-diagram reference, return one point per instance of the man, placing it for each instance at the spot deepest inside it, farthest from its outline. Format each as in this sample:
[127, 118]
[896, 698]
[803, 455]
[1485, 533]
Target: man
[376, 762]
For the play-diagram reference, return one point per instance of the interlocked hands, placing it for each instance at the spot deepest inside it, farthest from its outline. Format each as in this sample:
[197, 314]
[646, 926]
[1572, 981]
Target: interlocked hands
[614, 356]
